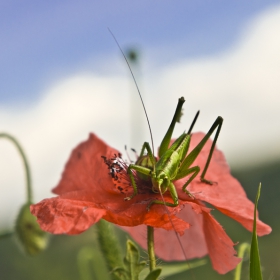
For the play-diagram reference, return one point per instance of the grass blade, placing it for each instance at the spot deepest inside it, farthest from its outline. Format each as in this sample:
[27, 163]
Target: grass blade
[255, 264]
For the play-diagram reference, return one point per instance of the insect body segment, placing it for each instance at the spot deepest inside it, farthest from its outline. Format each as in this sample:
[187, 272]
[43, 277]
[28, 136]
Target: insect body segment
[144, 161]
[174, 162]
[176, 118]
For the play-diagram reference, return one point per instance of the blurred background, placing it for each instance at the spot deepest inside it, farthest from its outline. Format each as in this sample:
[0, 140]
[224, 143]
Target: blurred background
[62, 76]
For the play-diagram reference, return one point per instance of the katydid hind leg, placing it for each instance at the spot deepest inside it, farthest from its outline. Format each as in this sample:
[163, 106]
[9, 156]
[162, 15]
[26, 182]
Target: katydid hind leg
[190, 158]
[176, 118]
[194, 170]
[193, 122]
[219, 126]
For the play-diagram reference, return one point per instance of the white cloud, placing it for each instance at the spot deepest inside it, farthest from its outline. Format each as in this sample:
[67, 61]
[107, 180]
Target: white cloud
[241, 84]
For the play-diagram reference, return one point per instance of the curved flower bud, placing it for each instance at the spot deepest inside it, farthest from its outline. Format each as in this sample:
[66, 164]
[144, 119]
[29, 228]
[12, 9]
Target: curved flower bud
[32, 239]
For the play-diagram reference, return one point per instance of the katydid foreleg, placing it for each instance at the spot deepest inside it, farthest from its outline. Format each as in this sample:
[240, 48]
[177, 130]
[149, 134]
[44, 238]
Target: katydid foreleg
[143, 166]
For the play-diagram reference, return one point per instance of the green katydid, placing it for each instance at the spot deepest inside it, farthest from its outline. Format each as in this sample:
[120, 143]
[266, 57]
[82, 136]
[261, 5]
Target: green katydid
[174, 162]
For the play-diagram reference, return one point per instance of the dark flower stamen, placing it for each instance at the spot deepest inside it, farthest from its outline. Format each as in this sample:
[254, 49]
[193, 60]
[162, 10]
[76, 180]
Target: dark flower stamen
[118, 171]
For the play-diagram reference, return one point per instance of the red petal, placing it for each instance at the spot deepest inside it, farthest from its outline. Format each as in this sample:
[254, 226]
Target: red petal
[193, 240]
[85, 170]
[58, 215]
[205, 236]
[74, 212]
[220, 246]
[136, 214]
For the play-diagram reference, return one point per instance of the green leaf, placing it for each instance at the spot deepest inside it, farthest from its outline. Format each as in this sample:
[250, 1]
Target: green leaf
[153, 275]
[255, 264]
[175, 268]
[132, 266]
[171, 269]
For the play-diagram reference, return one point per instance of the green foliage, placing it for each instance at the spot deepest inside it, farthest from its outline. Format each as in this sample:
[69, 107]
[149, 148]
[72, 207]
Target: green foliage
[169, 270]
[172, 269]
[110, 248]
[91, 262]
[32, 239]
[131, 261]
[132, 267]
[255, 264]
[153, 275]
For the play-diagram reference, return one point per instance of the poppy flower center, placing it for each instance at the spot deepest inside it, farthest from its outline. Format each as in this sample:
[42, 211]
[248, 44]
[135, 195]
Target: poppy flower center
[118, 172]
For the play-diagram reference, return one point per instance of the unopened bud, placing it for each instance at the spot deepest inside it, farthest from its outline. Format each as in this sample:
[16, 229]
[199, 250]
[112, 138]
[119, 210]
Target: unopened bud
[30, 236]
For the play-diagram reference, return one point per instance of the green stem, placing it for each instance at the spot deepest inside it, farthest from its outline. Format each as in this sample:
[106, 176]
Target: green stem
[109, 246]
[25, 162]
[243, 248]
[151, 249]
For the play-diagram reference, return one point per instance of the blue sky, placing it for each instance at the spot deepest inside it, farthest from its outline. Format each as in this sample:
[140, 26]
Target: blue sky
[62, 76]
[42, 42]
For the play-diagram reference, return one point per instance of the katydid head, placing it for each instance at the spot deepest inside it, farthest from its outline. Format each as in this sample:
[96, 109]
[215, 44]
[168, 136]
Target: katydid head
[159, 182]
[156, 188]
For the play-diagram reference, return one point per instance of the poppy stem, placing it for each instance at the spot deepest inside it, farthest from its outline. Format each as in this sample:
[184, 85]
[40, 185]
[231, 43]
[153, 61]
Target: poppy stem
[151, 248]
[25, 162]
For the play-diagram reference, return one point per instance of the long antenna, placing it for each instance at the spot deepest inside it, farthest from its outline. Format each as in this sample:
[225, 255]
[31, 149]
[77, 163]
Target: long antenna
[152, 141]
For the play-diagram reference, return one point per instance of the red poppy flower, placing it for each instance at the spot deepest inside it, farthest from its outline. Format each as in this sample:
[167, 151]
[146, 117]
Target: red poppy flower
[95, 183]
